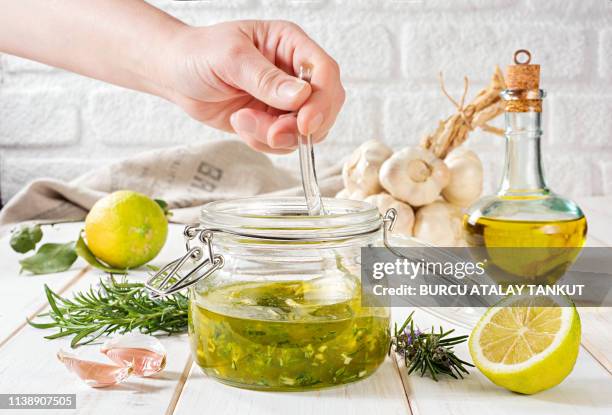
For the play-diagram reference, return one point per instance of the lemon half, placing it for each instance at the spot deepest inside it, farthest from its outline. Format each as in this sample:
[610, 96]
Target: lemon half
[527, 344]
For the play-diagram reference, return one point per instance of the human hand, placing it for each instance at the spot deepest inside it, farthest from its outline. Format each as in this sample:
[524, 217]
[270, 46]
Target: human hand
[237, 76]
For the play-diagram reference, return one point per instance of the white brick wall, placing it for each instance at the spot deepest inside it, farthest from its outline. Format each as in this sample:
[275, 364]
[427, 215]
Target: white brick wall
[57, 124]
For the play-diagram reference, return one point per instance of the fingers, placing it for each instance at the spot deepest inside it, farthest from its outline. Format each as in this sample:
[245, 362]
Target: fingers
[318, 114]
[283, 132]
[260, 65]
[255, 74]
[269, 133]
[259, 146]
[265, 132]
[288, 123]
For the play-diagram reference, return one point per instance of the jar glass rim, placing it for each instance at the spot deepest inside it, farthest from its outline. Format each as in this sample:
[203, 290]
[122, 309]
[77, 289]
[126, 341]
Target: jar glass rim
[287, 218]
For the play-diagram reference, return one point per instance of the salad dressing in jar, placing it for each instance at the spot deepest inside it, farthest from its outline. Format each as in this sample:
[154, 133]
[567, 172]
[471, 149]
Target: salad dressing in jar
[275, 295]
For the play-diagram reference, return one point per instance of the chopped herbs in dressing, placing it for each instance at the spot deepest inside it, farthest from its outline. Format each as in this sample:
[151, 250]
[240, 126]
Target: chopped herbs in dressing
[286, 335]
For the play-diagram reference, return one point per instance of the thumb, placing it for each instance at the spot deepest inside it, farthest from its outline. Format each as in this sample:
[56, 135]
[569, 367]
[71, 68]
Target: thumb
[264, 81]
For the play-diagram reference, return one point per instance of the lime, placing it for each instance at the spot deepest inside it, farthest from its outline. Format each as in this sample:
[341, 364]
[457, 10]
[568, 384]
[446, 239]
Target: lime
[126, 229]
[527, 344]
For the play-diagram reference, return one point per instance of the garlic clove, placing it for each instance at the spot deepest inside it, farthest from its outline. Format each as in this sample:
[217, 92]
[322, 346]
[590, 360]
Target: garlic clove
[405, 215]
[360, 172]
[343, 194]
[94, 374]
[358, 195]
[466, 177]
[144, 353]
[439, 223]
[414, 175]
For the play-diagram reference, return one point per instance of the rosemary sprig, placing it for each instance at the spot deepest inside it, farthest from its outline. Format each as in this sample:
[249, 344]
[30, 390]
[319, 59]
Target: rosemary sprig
[114, 306]
[430, 353]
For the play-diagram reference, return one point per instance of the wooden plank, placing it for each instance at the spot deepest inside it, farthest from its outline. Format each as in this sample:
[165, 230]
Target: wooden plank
[597, 334]
[22, 294]
[13, 326]
[178, 390]
[28, 362]
[597, 322]
[380, 393]
[599, 220]
[588, 389]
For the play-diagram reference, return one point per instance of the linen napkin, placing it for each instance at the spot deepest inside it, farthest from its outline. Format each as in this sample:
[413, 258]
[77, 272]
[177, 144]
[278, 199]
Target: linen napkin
[186, 177]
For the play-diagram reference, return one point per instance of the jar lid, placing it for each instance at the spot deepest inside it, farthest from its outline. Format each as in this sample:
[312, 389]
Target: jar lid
[286, 218]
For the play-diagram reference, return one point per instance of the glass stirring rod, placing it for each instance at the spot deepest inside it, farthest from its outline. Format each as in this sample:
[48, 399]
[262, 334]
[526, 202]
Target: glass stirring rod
[307, 163]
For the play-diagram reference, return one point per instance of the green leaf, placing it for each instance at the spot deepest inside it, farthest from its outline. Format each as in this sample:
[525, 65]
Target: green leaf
[51, 299]
[50, 258]
[83, 251]
[164, 205]
[41, 325]
[25, 238]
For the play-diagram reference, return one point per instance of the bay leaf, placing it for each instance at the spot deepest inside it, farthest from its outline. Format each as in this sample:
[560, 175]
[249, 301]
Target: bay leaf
[25, 238]
[50, 258]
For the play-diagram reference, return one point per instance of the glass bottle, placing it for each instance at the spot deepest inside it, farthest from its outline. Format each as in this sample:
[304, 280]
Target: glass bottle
[528, 230]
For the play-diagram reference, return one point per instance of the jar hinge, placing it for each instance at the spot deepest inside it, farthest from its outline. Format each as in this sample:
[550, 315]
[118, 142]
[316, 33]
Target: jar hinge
[168, 281]
[388, 223]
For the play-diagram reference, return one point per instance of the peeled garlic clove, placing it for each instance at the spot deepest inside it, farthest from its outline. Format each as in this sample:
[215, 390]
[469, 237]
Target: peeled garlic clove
[440, 224]
[405, 216]
[94, 374]
[360, 172]
[466, 173]
[145, 354]
[414, 175]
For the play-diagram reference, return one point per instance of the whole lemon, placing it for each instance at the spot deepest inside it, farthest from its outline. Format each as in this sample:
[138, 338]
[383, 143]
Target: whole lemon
[126, 229]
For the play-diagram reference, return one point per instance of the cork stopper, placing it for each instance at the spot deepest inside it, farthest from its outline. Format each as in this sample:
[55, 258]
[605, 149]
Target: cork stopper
[523, 75]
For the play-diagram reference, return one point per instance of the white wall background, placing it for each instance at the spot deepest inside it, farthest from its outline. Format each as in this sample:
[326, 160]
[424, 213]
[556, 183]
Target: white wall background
[56, 124]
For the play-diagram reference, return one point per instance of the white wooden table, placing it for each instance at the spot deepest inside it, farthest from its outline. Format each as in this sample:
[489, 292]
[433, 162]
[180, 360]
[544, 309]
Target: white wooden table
[28, 363]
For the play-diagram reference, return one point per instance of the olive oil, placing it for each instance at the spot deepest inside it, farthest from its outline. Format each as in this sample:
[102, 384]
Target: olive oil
[493, 232]
[535, 252]
[292, 335]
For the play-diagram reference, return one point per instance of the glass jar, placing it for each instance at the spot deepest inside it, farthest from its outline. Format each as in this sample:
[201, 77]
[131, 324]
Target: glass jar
[281, 309]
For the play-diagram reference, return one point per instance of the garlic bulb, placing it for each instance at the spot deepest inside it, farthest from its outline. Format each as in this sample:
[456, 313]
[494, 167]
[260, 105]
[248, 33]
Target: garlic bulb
[466, 173]
[356, 195]
[343, 194]
[405, 215]
[360, 172]
[440, 224]
[414, 175]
